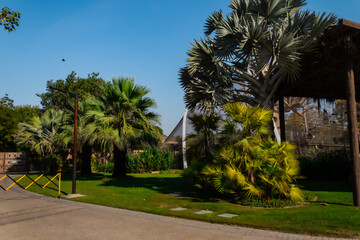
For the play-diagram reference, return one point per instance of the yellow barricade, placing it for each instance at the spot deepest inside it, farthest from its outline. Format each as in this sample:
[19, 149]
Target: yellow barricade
[33, 181]
[15, 182]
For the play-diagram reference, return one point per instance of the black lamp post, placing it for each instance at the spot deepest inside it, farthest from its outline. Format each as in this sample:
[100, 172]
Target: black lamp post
[76, 96]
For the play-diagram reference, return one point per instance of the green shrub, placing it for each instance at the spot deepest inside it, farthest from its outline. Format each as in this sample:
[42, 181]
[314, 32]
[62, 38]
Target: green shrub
[249, 164]
[151, 159]
[105, 168]
[326, 164]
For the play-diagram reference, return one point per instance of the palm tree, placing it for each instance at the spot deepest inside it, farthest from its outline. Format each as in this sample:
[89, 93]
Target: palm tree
[202, 143]
[67, 135]
[252, 165]
[41, 134]
[248, 53]
[120, 116]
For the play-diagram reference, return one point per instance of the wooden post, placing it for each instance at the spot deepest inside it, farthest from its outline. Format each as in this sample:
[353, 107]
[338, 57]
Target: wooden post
[75, 143]
[353, 129]
[282, 119]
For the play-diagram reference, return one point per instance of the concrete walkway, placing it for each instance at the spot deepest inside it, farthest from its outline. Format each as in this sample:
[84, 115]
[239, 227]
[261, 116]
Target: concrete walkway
[26, 215]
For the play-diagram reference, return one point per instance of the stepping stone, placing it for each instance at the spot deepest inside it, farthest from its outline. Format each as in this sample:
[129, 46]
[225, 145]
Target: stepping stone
[178, 209]
[204, 212]
[177, 194]
[227, 215]
[75, 195]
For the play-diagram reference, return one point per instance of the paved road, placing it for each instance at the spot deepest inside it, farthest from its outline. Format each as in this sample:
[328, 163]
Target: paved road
[25, 215]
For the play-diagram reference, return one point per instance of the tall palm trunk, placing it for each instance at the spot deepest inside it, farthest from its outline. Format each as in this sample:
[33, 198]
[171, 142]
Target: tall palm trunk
[119, 162]
[53, 165]
[206, 146]
[86, 159]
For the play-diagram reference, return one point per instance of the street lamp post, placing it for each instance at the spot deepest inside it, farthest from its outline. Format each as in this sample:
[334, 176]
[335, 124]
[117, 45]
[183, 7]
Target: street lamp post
[76, 96]
[75, 143]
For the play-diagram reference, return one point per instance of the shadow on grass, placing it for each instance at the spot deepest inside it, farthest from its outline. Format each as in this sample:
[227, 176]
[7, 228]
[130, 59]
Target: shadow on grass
[160, 184]
[81, 177]
[184, 189]
[332, 192]
[176, 186]
[333, 203]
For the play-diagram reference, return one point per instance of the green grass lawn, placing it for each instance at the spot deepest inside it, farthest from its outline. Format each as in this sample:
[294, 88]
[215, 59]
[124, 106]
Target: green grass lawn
[149, 193]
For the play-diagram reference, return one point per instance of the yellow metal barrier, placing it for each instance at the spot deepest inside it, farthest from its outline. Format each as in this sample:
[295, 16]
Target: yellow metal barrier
[3, 178]
[50, 180]
[59, 184]
[33, 181]
[15, 182]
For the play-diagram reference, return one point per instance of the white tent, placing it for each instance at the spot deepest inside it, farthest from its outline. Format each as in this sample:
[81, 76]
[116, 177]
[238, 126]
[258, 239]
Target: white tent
[177, 132]
[184, 128]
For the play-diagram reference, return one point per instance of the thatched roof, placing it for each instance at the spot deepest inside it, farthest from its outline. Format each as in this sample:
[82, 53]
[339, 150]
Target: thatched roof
[323, 74]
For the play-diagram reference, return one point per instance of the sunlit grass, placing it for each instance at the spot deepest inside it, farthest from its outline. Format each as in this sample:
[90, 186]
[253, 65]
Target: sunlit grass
[332, 214]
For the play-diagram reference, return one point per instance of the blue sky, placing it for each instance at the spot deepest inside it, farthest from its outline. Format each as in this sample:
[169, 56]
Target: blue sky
[146, 40]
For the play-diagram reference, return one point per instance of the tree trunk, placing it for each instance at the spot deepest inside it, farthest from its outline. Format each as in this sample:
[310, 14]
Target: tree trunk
[119, 162]
[86, 153]
[353, 130]
[269, 104]
[53, 165]
[206, 141]
[306, 125]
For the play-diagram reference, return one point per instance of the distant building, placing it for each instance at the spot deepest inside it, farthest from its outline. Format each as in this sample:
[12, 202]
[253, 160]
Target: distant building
[13, 162]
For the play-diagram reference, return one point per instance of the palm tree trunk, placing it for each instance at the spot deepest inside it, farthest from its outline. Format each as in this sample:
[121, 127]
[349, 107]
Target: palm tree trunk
[86, 153]
[206, 141]
[53, 165]
[119, 162]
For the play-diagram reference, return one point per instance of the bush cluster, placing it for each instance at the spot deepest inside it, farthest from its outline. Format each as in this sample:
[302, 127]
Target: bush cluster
[247, 164]
[151, 159]
[326, 164]
[106, 168]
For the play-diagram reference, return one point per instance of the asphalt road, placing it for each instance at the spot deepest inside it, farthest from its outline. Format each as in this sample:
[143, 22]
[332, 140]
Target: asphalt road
[25, 215]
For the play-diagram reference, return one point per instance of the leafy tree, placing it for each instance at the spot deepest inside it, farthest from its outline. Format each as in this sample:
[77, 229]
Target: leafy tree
[67, 135]
[9, 19]
[248, 53]
[59, 100]
[53, 99]
[10, 116]
[41, 135]
[299, 106]
[7, 123]
[250, 163]
[120, 117]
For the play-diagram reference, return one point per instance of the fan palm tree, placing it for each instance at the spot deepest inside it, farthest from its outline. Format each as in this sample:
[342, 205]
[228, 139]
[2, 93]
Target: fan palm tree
[41, 134]
[248, 53]
[120, 116]
[67, 134]
[201, 143]
[252, 165]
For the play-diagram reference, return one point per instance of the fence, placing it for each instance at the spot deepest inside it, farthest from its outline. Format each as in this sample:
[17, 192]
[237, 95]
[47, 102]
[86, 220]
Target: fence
[16, 182]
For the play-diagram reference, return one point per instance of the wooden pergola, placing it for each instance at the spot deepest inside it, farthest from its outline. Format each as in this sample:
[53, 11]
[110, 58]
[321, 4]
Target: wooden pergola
[333, 72]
